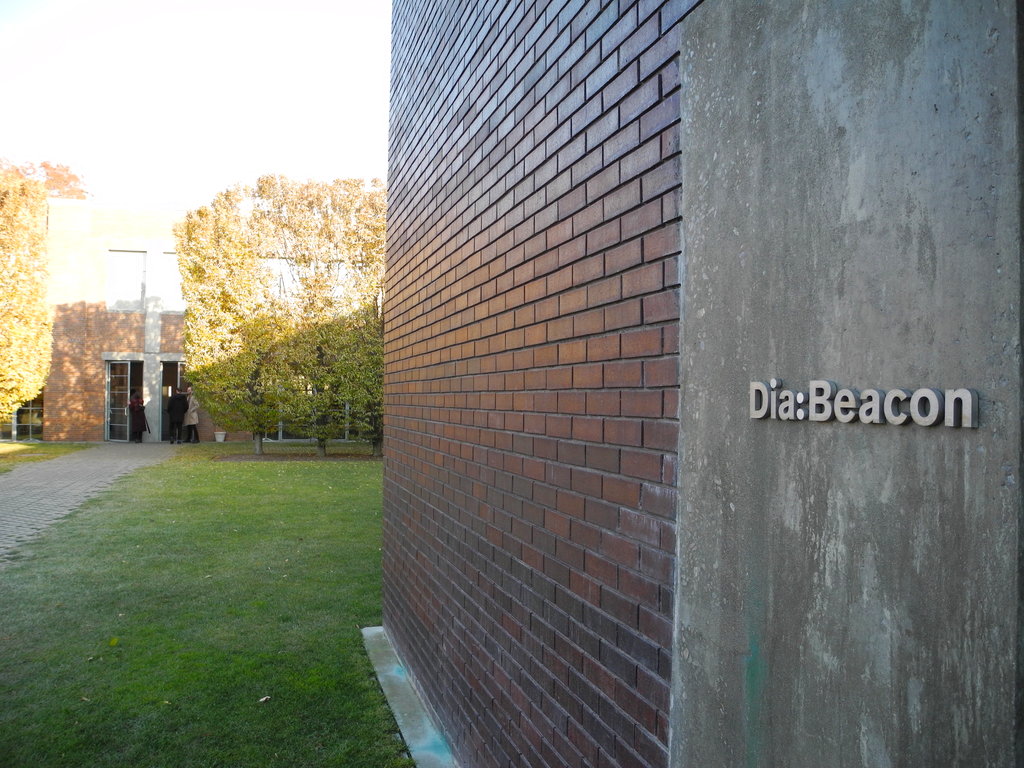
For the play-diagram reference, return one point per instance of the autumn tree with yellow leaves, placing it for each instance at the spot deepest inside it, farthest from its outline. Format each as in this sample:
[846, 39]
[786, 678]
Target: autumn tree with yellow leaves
[230, 325]
[283, 284]
[26, 318]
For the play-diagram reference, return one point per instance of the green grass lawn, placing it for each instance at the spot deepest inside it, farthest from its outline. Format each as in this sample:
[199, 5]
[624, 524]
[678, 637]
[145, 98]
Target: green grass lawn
[201, 613]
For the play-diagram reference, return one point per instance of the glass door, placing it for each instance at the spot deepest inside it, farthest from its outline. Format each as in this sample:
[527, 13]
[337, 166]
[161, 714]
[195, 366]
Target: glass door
[118, 378]
[122, 377]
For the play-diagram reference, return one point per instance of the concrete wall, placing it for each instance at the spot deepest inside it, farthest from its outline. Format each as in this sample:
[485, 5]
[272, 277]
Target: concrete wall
[532, 381]
[848, 594]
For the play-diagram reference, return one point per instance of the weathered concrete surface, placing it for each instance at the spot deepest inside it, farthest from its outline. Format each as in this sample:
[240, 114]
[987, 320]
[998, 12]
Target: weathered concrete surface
[849, 594]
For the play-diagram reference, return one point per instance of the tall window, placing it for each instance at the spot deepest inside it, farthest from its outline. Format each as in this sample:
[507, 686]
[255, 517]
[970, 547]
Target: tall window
[163, 281]
[126, 271]
[135, 277]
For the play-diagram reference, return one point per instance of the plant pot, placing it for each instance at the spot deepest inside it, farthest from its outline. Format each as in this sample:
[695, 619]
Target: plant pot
[219, 436]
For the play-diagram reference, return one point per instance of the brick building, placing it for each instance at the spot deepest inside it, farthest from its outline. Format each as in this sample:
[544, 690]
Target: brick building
[532, 374]
[610, 221]
[118, 323]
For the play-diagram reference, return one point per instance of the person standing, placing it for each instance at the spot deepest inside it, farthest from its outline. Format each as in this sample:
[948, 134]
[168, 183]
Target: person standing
[137, 416]
[177, 407]
[191, 420]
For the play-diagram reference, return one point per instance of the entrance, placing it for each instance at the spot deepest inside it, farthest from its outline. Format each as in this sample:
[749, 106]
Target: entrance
[170, 379]
[122, 377]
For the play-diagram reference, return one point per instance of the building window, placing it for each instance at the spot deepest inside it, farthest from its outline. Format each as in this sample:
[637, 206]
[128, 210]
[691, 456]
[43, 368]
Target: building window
[163, 282]
[126, 276]
[26, 423]
[138, 280]
[283, 432]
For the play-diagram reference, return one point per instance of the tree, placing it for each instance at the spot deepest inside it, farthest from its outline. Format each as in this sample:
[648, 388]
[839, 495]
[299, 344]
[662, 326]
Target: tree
[314, 403]
[328, 241]
[59, 180]
[322, 245]
[229, 332]
[242, 391]
[363, 351]
[26, 318]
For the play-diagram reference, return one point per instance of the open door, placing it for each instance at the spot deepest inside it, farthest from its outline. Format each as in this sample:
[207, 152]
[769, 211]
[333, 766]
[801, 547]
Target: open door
[122, 377]
[170, 377]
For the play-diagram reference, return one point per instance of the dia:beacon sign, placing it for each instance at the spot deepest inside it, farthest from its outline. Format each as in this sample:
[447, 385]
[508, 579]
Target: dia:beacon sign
[825, 401]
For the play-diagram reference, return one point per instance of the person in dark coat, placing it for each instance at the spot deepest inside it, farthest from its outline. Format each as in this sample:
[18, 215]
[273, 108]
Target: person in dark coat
[137, 416]
[176, 408]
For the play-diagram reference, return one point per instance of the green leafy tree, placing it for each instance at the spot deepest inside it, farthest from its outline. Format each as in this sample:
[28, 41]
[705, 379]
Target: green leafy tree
[337, 372]
[328, 240]
[26, 318]
[328, 243]
[230, 328]
[314, 402]
[289, 340]
[363, 353]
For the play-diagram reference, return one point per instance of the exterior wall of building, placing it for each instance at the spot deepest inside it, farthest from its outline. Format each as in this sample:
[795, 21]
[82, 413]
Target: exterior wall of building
[849, 593]
[76, 387]
[595, 246]
[89, 332]
[532, 374]
[172, 331]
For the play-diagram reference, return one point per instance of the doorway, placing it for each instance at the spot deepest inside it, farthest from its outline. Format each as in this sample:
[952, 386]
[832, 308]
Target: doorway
[122, 377]
[170, 379]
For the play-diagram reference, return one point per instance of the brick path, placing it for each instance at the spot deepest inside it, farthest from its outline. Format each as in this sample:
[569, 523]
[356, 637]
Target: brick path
[35, 495]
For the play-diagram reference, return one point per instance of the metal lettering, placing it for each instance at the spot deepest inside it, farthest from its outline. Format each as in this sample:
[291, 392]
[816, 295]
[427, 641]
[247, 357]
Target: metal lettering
[758, 399]
[825, 401]
[847, 403]
[926, 407]
[871, 407]
[787, 405]
[820, 394]
[962, 408]
[892, 406]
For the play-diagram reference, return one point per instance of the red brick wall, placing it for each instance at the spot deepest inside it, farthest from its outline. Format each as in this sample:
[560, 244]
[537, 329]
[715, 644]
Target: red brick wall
[172, 332]
[532, 374]
[76, 387]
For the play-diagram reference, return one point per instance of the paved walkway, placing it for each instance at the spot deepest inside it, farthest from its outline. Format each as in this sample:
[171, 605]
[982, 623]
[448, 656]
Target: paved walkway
[35, 495]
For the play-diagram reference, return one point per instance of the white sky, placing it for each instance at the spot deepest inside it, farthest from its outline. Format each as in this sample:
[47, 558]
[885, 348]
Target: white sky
[165, 104]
